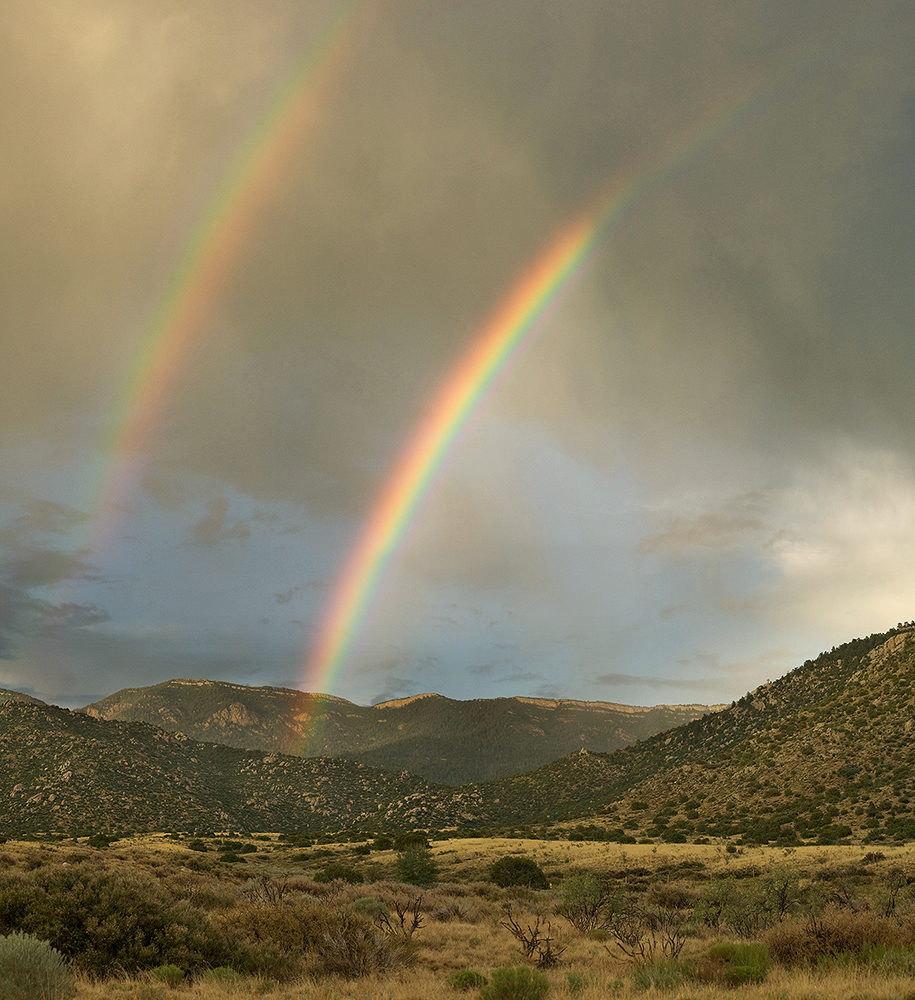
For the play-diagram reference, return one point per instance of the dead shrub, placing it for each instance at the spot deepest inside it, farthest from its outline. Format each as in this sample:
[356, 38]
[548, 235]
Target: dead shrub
[353, 948]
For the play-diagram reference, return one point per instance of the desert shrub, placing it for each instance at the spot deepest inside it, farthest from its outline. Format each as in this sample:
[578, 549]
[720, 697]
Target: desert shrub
[536, 938]
[515, 983]
[335, 870]
[171, 975]
[223, 976]
[834, 931]
[30, 969]
[337, 940]
[664, 974]
[515, 870]
[103, 920]
[443, 907]
[370, 906]
[466, 979]
[575, 983]
[293, 927]
[734, 963]
[353, 947]
[586, 901]
[416, 866]
[405, 841]
[675, 895]
[745, 909]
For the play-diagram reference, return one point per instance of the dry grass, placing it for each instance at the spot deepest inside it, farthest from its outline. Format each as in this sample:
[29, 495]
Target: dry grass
[462, 915]
[600, 983]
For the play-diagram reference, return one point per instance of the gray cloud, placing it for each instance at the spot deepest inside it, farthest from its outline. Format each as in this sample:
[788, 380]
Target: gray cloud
[395, 687]
[432, 184]
[712, 684]
[212, 528]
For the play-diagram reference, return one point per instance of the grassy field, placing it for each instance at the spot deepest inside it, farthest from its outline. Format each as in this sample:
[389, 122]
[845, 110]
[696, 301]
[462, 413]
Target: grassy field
[463, 917]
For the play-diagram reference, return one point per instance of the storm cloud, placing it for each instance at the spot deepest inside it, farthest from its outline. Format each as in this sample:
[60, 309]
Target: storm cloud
[706, 447]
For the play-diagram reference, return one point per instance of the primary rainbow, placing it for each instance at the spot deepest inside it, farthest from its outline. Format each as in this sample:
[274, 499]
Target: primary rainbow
[510, 328]
[468, 383]
[211, 253]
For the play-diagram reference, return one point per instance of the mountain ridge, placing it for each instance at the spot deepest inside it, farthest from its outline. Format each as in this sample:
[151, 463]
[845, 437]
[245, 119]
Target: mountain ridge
[441, 739]
[823, 755]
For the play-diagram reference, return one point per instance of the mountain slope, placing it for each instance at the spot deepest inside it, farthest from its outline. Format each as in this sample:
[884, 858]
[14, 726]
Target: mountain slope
[823, 754]
[447, 741]
[67, 772]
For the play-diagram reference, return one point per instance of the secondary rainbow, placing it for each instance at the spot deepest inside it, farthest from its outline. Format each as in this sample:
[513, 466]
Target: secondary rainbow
[210, 255]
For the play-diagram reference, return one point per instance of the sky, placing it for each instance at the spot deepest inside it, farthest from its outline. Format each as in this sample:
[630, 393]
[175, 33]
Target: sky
[247, 246]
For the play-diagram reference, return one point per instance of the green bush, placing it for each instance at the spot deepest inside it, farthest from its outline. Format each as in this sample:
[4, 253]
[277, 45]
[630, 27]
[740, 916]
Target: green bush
[30, 969]
[466, 979]
[169, 974]
[734, 964]
[575, 981]
[516, 983]
[404, 841]
[112, 920]
[335, 870]
[664, 974]
[417, 866]
[586, 901]
[515, 870]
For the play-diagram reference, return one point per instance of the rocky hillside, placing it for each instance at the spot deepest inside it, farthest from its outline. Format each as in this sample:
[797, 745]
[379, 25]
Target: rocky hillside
[452, 742]
[824, 754]
[67, 772]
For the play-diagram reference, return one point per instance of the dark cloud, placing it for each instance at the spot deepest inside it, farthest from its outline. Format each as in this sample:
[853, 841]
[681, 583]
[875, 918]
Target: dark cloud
[452, 143]
[24, 617]
[213, 529]
[285, 596]
[40, 517]
[395, 687]
[711, 684]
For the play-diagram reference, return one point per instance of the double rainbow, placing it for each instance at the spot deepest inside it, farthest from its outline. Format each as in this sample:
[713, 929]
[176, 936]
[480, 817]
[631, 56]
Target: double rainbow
[219, 240]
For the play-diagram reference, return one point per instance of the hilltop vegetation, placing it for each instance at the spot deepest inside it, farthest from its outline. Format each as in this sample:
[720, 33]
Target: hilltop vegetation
[62, 771]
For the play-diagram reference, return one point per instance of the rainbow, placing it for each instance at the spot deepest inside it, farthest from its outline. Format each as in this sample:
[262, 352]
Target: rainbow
[502, 338]
[470, 381]
[211, 254]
